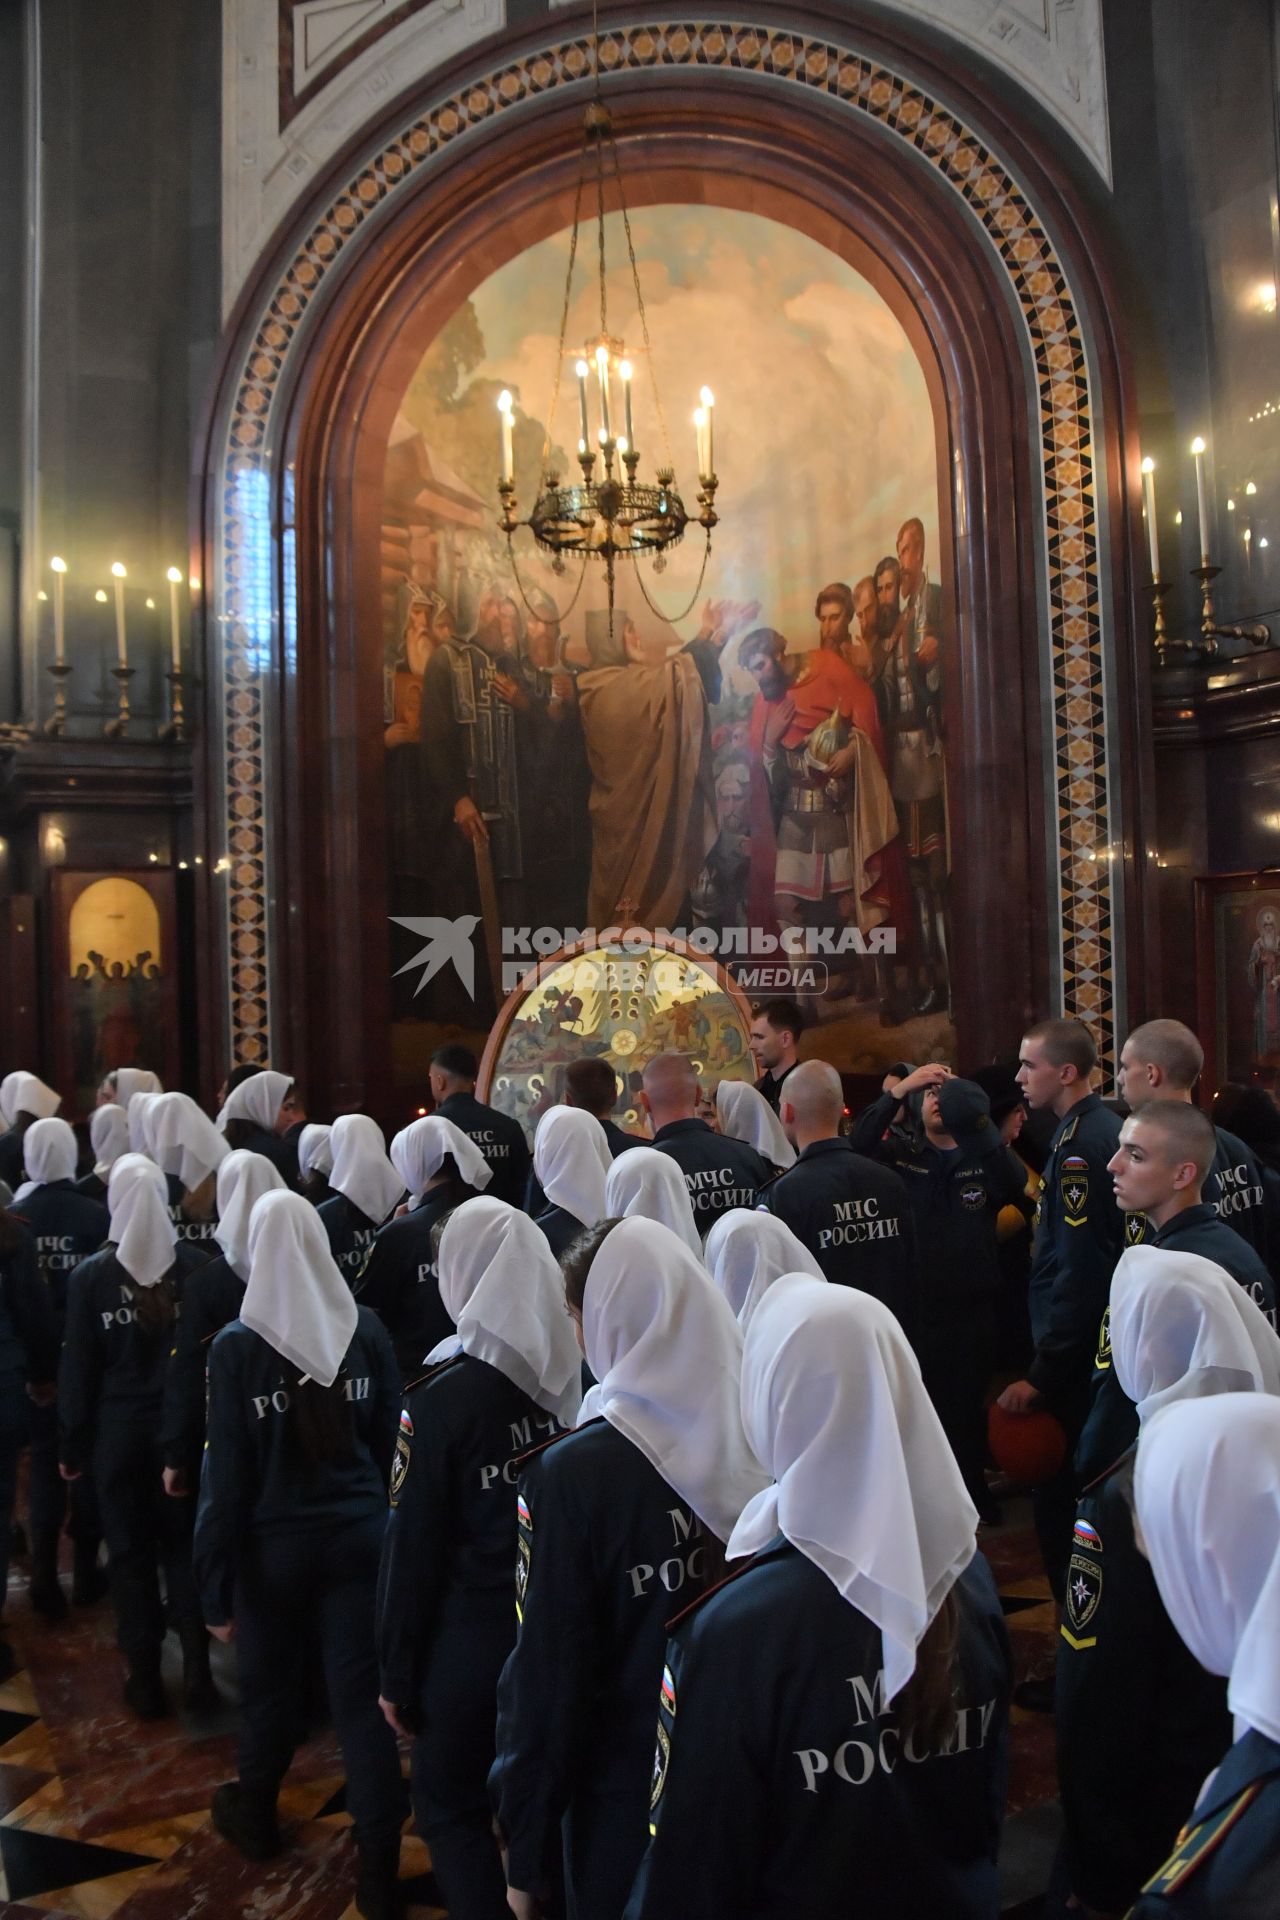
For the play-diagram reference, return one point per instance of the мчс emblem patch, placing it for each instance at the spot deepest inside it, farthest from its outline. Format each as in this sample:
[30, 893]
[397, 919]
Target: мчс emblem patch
[1073, 1184]
[1084, 1591]
[1135, 1229]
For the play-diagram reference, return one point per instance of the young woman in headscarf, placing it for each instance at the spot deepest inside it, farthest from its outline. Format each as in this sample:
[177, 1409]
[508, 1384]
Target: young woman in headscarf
[570, 1161]
[438, 1166]
[109, 1139]
[303, 1401]
[68, 1227]
[744, 1114]
[1138, 1722]
[833, 1719]
[24, 1099]
[1208, 1505]
[366, 1191]
[139, 1112]
[315, 1163]
[122, 1306]
[747, 1251]
[648, 1183]
[445, 1619]
[29, 1336]
[188, 1149]
[119, 1087]
[254, 1116]
[615, 1520]
[212, 1300]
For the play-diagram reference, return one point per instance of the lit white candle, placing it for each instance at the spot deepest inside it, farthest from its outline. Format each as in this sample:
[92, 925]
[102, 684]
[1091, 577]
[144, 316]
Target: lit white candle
[583, 370]
[174, 577]
[602, 368]
[508, 428]
[119, 574]
[625, 373]
[700, 422]
[708, 400]
[58, 567]
[1202, 499]
[1149, 497]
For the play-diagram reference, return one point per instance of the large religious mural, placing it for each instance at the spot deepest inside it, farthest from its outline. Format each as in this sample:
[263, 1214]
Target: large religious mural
[757, 755]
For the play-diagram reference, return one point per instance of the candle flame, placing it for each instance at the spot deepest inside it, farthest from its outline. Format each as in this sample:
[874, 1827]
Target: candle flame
[1197, 445]
[1250, 488]
[1148, 465]
[602, 355]
[625, 370]
[150, 603]
[505, 402]
[707, 398]
[119, 570]
[174, 576]
[700, 417]
[582, 369]
[58, 564]
[101, 594]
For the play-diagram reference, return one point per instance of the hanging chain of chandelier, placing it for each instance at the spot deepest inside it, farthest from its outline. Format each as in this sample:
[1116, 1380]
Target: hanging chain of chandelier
[611, 513]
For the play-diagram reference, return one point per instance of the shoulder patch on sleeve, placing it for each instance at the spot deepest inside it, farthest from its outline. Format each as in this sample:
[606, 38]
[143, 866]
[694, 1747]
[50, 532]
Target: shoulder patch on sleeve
[1195, 1844]
[1135, 1229]
[1102, 1358]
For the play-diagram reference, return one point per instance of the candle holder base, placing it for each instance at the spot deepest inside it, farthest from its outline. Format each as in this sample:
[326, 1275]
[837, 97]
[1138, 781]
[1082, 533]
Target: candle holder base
[56, 724]
[1206, 575]
[115, 729]
[175, 728]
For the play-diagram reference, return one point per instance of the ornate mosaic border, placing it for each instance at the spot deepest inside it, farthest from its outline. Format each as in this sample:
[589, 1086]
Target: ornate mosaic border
[246, 594]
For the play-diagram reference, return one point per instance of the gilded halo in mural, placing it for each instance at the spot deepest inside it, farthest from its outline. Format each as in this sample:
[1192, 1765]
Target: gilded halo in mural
[622, 1004]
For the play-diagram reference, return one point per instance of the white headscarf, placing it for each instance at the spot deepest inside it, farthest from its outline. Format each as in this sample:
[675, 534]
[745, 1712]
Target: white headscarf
[315, 1150]
[668, 1354]
[648, 1183]
[243, 1178]
[501, 1287]
[1207, 1490]
[141, 1229]
[23, 1093]
[1182, 1328]
[108, 1136]
[131, 1080]
[747, 1251]
[746, 1115]
[296, 1297]
[361, 1169]
[570, 1160]
[867, 1485]
[257, 1100]
[419, 1149]
[139, 1110]
[49, 1153]
[184, 1140]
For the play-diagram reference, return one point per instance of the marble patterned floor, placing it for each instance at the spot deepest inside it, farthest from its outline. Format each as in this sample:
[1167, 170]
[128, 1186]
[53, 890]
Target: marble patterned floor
[104, 1819]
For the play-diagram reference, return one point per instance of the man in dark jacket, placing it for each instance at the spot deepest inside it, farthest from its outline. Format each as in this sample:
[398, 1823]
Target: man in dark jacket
[500, 1138]
[720, 1173]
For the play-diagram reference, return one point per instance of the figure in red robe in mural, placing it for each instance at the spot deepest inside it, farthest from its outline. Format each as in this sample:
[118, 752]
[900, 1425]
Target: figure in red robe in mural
[823, 825]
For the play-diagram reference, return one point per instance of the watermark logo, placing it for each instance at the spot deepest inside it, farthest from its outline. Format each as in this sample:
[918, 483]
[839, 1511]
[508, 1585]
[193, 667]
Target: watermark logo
[794, 960]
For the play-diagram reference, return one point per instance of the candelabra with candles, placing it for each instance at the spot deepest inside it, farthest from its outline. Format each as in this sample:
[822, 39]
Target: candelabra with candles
[1204, 645]
[117, 724]
[610, 513]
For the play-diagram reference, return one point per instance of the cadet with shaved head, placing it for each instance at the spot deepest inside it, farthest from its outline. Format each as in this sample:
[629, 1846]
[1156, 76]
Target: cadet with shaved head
[1162, 1061]
[720, 1173]
[853, 1215]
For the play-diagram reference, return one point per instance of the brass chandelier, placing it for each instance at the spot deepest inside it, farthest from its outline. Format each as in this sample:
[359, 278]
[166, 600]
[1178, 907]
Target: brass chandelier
[611, 512]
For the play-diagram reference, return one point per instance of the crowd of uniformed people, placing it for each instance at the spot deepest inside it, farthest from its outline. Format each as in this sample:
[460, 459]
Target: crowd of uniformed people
[636, 1482]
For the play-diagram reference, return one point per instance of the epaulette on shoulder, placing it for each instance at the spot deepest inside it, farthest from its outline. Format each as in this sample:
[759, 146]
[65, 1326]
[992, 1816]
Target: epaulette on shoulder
[1108, 1471]
[433, 1373]
[778, 1173]
[544, 1446]
[710, 1593]
[1069, 1131]
[1195, 1844]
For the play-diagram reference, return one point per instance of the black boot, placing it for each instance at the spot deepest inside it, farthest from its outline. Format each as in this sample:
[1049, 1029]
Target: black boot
[378, 1883]
[144, 1692]
[89, 1582]
[247, 1820]
[46, 1595]
[199, 1694]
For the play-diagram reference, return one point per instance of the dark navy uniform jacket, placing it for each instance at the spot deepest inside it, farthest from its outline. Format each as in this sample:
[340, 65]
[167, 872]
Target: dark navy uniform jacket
[211, 1300]
[561, 1228]
[1139, 1722]
[253, 1479]
[855, 1218]
[1234, 1190]
[719, 1172]
[1226, 1865]
[282, 1153]
[193, 1233]
[351, 1234]
[68, 1227]
[770, 1088]
[447, 1558]
[606, 1552]
[11, 1157]
[782, 1785]
[1112, 1425]
[500, 1139]
[1079, 1236]
[29, 1331]
[399, 1281]
[111, 1371]
[93, 1187]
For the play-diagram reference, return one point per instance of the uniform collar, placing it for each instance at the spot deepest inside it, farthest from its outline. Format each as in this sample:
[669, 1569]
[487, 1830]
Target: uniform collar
[1090, 1103]
[816, 1148]
[1190, 1217]
[674, 1129]
[1251, 1759]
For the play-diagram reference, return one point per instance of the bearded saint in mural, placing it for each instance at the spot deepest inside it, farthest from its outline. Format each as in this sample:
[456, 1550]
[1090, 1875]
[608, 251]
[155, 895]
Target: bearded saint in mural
[648, 739]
